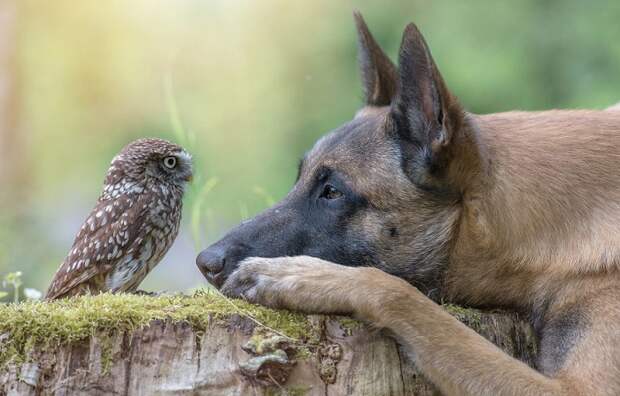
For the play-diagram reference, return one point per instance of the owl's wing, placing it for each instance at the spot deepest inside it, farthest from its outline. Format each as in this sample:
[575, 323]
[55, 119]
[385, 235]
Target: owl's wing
[105, 237]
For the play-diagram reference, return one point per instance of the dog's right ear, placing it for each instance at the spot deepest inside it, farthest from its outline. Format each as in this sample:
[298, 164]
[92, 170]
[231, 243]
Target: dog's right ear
[426, 114]
[379, 75]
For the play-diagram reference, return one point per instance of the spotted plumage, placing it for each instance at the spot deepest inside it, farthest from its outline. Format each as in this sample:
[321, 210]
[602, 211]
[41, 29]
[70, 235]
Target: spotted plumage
[133, 224]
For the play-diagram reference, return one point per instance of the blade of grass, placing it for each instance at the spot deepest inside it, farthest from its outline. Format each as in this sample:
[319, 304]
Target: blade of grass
[269, 200]
[184, 136]
[196, 215]
[243, 211]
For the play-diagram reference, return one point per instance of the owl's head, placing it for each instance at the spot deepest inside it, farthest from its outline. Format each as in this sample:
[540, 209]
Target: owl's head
[152, 159]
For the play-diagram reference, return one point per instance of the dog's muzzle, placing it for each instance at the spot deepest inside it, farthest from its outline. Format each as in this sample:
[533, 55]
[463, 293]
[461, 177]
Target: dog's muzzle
[219, 260]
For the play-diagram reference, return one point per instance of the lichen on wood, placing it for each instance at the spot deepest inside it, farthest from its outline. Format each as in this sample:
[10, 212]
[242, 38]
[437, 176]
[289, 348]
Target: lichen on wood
[207, 344]
[50, 324]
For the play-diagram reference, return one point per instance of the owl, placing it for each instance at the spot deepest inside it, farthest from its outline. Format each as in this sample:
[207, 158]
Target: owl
[133, 224]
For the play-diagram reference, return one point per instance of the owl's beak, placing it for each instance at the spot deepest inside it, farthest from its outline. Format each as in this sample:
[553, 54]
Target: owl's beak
[189, 178]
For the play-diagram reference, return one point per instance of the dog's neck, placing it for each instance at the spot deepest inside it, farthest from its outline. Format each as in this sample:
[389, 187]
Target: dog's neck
[536, 211]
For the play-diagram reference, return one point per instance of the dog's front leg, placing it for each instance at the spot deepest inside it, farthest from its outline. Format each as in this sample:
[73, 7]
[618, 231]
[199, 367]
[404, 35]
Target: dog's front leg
[451, 355]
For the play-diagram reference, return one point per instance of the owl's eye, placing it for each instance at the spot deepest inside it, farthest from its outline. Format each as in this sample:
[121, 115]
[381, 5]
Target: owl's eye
[170, 162]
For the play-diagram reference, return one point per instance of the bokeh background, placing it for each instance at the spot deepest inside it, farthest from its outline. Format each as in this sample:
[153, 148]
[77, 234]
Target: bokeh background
[247, 86]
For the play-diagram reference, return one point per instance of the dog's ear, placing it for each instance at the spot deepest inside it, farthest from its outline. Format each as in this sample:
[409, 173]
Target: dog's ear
[426, 115]
[379, 74]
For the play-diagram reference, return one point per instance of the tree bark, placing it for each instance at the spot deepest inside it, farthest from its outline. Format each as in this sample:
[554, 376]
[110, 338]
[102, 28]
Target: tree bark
[237, 357]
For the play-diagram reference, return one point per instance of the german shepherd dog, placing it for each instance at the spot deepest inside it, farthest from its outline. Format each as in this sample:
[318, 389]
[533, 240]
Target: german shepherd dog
[416, 200]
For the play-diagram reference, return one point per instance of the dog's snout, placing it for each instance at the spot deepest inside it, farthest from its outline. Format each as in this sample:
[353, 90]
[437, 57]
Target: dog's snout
[211, 260]
[218, 260]
[263, 236]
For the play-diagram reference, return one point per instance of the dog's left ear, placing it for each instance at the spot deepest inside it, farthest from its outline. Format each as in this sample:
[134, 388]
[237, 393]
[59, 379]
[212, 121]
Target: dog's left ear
[426, 115]
[379, 75]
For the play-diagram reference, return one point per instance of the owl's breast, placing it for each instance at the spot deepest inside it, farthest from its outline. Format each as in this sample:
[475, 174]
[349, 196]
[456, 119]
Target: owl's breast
[164, 220]
[158, 232]
[131, 269]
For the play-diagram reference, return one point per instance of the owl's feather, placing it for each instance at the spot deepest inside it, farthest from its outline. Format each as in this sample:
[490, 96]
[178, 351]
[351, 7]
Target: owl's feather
[134, 223]
[102, 241]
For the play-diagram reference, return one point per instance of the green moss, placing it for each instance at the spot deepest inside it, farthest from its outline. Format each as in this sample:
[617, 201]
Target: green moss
[264, 341]
[107, 358]
[48, 324]
[348, 324]
[469, 316]
[288, 391]
[298, 390]
[303, 353]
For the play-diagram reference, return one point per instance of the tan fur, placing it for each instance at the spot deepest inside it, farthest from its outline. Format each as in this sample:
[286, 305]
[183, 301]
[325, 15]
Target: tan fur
[538, 226]
[517, 210]
[548, 203]
[450, 354]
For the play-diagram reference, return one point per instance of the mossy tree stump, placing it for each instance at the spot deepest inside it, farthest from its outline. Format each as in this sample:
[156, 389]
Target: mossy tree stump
[205, 344]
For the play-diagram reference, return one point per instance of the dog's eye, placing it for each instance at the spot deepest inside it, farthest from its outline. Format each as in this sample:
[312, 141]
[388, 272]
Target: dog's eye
[330, 192]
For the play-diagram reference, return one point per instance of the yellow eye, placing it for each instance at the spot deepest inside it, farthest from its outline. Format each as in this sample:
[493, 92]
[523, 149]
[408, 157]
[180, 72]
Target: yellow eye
[170, 162]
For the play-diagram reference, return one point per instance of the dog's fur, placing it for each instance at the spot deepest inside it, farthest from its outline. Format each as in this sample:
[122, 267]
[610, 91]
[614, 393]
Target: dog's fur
[516, 210]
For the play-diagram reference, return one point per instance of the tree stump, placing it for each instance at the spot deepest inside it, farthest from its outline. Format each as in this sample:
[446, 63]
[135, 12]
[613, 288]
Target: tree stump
[205, 344]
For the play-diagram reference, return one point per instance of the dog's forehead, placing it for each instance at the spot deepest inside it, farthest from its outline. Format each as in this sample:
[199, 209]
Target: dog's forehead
[360, 149]
[351, 142]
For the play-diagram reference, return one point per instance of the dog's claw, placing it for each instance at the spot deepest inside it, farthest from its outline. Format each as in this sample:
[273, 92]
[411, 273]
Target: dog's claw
[244, 282]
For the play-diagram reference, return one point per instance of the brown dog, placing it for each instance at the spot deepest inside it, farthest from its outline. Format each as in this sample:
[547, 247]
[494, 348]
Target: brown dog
[419, 200]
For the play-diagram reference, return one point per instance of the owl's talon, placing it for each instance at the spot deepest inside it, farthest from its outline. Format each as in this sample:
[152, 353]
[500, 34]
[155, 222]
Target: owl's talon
[147, 293]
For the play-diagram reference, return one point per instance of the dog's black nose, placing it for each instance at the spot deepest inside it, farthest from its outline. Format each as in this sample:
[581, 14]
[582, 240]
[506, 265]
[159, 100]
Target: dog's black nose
[211, 260]
[219, 260]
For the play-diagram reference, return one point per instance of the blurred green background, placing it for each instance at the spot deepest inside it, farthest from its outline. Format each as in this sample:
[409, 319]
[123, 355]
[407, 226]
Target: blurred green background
[253, 83]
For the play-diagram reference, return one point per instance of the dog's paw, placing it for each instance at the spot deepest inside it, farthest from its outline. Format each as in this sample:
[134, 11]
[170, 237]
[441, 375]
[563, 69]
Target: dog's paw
[301, 283]
[252, 279]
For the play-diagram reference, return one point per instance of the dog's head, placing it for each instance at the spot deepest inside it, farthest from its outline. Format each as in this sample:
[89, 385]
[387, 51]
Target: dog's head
[382, 190]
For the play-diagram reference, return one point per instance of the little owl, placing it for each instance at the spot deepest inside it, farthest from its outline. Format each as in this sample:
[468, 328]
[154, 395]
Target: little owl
[133, 225]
